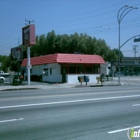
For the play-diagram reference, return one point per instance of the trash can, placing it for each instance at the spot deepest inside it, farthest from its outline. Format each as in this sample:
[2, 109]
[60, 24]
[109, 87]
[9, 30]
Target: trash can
[17, 80]
[86, 79]
[102, 78]
[98, 80]
[81, 78]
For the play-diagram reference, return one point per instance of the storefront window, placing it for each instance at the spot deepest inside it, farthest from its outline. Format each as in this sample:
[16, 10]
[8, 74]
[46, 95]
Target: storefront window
[96, 68]
[89, 68]
[72, 68]
[80, 68]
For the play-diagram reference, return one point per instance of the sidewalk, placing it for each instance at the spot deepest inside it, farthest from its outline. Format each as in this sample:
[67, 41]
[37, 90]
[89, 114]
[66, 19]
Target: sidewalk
[126, 80]
[35, 85]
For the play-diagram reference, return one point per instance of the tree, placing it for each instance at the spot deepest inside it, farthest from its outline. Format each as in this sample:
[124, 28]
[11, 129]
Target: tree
[80, 43]
[112, 56]
[5, 62]
[117, 53]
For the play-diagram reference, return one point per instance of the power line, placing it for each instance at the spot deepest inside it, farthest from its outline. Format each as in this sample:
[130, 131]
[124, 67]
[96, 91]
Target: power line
[88, 9]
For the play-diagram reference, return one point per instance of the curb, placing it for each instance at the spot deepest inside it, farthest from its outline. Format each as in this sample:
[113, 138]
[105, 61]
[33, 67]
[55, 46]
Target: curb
[97, 85]
[77, 86]
[10, 89]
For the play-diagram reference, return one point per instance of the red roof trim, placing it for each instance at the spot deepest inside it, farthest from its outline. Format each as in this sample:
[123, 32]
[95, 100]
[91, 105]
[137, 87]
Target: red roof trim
[65, 58]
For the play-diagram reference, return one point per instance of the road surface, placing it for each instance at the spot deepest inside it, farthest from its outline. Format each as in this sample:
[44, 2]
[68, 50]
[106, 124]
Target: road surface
[101, 113]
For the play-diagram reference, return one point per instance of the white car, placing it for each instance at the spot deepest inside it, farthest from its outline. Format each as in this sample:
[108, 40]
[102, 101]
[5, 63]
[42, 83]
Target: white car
[2, 79]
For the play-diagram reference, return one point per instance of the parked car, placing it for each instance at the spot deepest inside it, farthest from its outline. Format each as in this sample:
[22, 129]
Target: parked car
[2, 79]
[3, 74]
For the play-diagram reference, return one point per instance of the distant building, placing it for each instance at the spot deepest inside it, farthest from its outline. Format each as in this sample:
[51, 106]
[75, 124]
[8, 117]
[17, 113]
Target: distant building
[130, 66]
[64, 67]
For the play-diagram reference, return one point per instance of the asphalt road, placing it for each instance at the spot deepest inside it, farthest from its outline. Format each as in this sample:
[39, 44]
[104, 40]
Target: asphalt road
[101, 113]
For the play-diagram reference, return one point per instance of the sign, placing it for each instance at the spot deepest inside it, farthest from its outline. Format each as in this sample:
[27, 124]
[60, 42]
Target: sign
[131, 133]
[17, 53]
[137, 40]
[28, 35]
[29, 66]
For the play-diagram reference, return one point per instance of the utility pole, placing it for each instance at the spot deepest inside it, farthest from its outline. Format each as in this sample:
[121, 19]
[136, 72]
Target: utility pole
[18, 42]
[123, 11]
[29, 21]
[28, 55]
[18, 60]
[135, 49]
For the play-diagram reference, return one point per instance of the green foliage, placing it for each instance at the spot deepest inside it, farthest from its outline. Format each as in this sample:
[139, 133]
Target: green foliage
[74, 43]
[117, 52]
[80, 43]
[5, 62]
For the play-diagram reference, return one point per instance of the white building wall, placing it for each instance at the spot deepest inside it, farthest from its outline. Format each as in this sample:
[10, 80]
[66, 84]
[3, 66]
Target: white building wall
[37, 70]
[56, 73]
[104, 68]
[74, 78]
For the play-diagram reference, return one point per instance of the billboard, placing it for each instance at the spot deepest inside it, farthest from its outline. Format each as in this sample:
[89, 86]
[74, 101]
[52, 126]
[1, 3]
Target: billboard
[16, 53]
[28, 35]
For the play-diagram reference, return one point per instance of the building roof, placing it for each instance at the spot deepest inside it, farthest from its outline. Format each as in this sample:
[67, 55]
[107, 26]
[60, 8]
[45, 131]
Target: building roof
[65, 58]
[130, 58]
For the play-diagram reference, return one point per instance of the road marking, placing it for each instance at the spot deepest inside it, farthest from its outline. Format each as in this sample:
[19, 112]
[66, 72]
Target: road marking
[136, 105]
[73, 101]
[12, 120]
[121, 130]
[69, 94]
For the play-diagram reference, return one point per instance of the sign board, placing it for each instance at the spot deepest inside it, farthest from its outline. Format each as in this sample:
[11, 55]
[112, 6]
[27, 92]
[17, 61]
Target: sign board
[28, 35]
[137, 40]
[17, 53]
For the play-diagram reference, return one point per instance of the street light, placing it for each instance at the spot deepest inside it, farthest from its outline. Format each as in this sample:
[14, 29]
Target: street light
[123, 11]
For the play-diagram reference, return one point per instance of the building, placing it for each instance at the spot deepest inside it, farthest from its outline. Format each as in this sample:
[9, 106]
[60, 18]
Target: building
[130, 65]
[64, 67]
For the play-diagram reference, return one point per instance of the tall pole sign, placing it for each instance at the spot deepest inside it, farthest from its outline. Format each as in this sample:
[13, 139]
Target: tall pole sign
[28, 39]
[28, 35]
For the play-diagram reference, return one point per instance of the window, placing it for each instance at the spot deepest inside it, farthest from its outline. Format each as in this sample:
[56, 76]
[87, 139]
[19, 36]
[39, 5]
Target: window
[46, 72]
[80, 68]
[96, 68]
[50, 71]
[88, 68]
[72, 69]
[30, 70]
[136, 62]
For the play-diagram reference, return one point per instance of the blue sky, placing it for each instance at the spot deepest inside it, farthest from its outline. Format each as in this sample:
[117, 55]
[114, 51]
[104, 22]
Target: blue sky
[95, 18]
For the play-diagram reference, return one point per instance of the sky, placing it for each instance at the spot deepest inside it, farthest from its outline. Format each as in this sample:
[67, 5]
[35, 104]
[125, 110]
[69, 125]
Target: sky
[96, 18]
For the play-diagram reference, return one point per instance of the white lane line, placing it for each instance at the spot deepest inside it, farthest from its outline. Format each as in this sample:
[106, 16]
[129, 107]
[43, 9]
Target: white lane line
[73, 101]
[12, 120]
[121, 130]
[136, 105]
